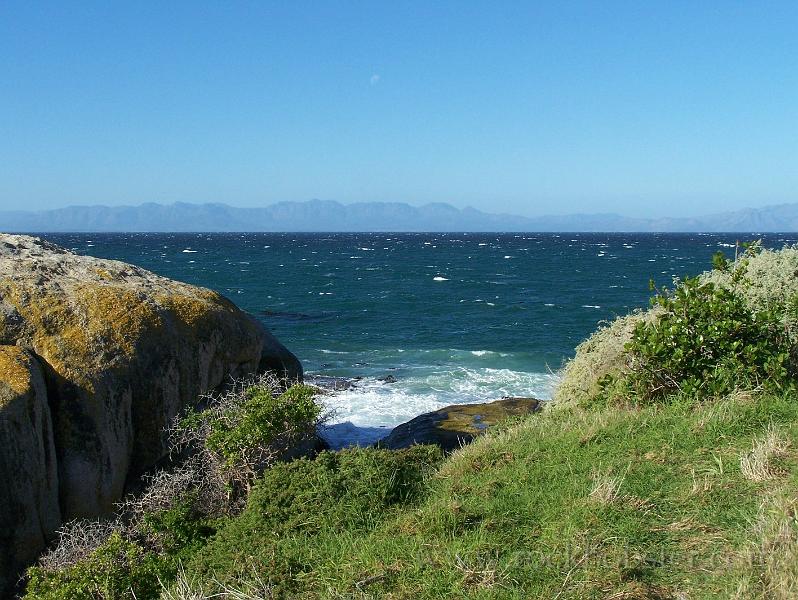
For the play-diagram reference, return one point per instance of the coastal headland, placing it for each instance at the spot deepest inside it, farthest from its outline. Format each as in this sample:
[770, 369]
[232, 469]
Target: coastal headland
[664, 466]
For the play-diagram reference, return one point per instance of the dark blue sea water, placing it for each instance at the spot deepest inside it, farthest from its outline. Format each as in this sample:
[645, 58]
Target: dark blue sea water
[453, 317]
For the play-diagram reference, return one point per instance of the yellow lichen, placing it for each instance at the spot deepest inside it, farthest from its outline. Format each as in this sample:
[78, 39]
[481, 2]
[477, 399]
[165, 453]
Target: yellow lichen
[115, 317]
[196, 310]
[103, 273]
[80, 327]
[75, 332]
[15, 368]
[474, 418]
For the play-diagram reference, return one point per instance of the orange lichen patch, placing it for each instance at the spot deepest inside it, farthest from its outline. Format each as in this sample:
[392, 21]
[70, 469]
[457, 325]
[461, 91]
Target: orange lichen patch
[74, 334]
[195, 311]
[103, 273]
[115, 317]
[15, 368]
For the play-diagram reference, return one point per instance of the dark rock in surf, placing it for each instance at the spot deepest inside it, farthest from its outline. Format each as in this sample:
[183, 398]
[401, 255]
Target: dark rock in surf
[456, 425]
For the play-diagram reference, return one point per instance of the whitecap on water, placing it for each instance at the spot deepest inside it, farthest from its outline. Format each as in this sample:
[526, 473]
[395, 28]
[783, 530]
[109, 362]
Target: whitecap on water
[439, 279]
[370, 410]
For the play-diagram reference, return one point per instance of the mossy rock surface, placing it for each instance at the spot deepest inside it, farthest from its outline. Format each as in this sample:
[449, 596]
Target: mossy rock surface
[122, 350]
[455, 425]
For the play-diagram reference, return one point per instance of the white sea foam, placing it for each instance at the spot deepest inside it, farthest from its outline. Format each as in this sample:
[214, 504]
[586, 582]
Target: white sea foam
[370, 410]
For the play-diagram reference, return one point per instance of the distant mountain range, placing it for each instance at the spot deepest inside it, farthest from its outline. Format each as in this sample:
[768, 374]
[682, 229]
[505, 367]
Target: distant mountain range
[326, 215]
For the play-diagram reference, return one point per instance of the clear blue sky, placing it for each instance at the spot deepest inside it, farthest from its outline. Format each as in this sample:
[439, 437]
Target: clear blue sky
[643, 108]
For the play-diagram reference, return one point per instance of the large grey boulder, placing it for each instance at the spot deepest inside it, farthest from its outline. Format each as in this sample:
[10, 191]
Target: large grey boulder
[122, 350]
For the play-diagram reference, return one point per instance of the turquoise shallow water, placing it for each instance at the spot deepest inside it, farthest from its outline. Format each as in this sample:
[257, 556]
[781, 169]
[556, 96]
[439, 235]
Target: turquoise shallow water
[452, 317]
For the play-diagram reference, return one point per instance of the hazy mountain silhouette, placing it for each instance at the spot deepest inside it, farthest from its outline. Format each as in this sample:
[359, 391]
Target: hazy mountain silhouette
[326, 215]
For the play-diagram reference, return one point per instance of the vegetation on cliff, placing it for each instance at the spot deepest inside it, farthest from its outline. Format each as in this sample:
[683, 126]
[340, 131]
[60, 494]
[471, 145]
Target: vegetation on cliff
[667, 467]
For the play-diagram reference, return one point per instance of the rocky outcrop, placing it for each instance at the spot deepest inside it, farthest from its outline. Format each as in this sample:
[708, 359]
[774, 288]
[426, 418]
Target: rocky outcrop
[121, 350]
[455, 425]
[29, 510]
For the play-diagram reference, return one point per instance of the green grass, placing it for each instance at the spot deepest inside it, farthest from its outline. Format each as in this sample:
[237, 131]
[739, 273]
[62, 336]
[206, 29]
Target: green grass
[525, 512]
[610, 492]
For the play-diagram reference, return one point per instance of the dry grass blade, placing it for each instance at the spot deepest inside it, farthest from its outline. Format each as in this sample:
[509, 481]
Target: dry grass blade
[183, 588]
[757, 465]
[770, 567]
[482, 574]
[606, 487]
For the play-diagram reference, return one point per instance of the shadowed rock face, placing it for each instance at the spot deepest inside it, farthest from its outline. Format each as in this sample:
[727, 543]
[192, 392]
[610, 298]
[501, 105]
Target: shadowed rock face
[121, 351]
[455, 425]
[29, 510]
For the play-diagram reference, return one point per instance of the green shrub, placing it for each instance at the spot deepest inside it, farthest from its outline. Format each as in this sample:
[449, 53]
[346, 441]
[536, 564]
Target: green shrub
[766, 280]
[601, 356]
[179, 531]
[239, 434]
[128, 564]
[261, 420]
[733, 327]
[117, 569]
[295, 507]
[707, 342]
[246, 430]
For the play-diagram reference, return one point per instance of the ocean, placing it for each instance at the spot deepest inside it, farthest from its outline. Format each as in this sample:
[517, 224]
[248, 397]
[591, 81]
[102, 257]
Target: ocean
[415, 321]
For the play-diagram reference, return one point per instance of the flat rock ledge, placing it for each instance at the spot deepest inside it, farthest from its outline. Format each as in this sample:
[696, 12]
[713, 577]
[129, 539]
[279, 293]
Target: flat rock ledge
[453, 426]
[96, 358]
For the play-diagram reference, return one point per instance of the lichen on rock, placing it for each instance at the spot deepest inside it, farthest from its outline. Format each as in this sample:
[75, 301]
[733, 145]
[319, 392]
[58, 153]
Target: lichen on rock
[122, 351]
[452, 426]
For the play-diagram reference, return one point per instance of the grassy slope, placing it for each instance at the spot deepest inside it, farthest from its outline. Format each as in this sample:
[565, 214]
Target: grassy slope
[630, 503]
[591, 498]
[682, 499]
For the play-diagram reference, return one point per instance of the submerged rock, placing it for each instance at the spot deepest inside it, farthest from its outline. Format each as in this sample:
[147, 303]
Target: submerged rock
[122, 351]
[328, 384]
[455, 425]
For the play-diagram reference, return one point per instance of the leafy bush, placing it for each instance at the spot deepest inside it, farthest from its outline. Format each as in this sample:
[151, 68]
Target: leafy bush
[766, 280]
[707, 342]
[223, 447]
[261, 420]
[599, 357]
[119, 568]
[296, 507]
[247, 429]
[131, 562]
